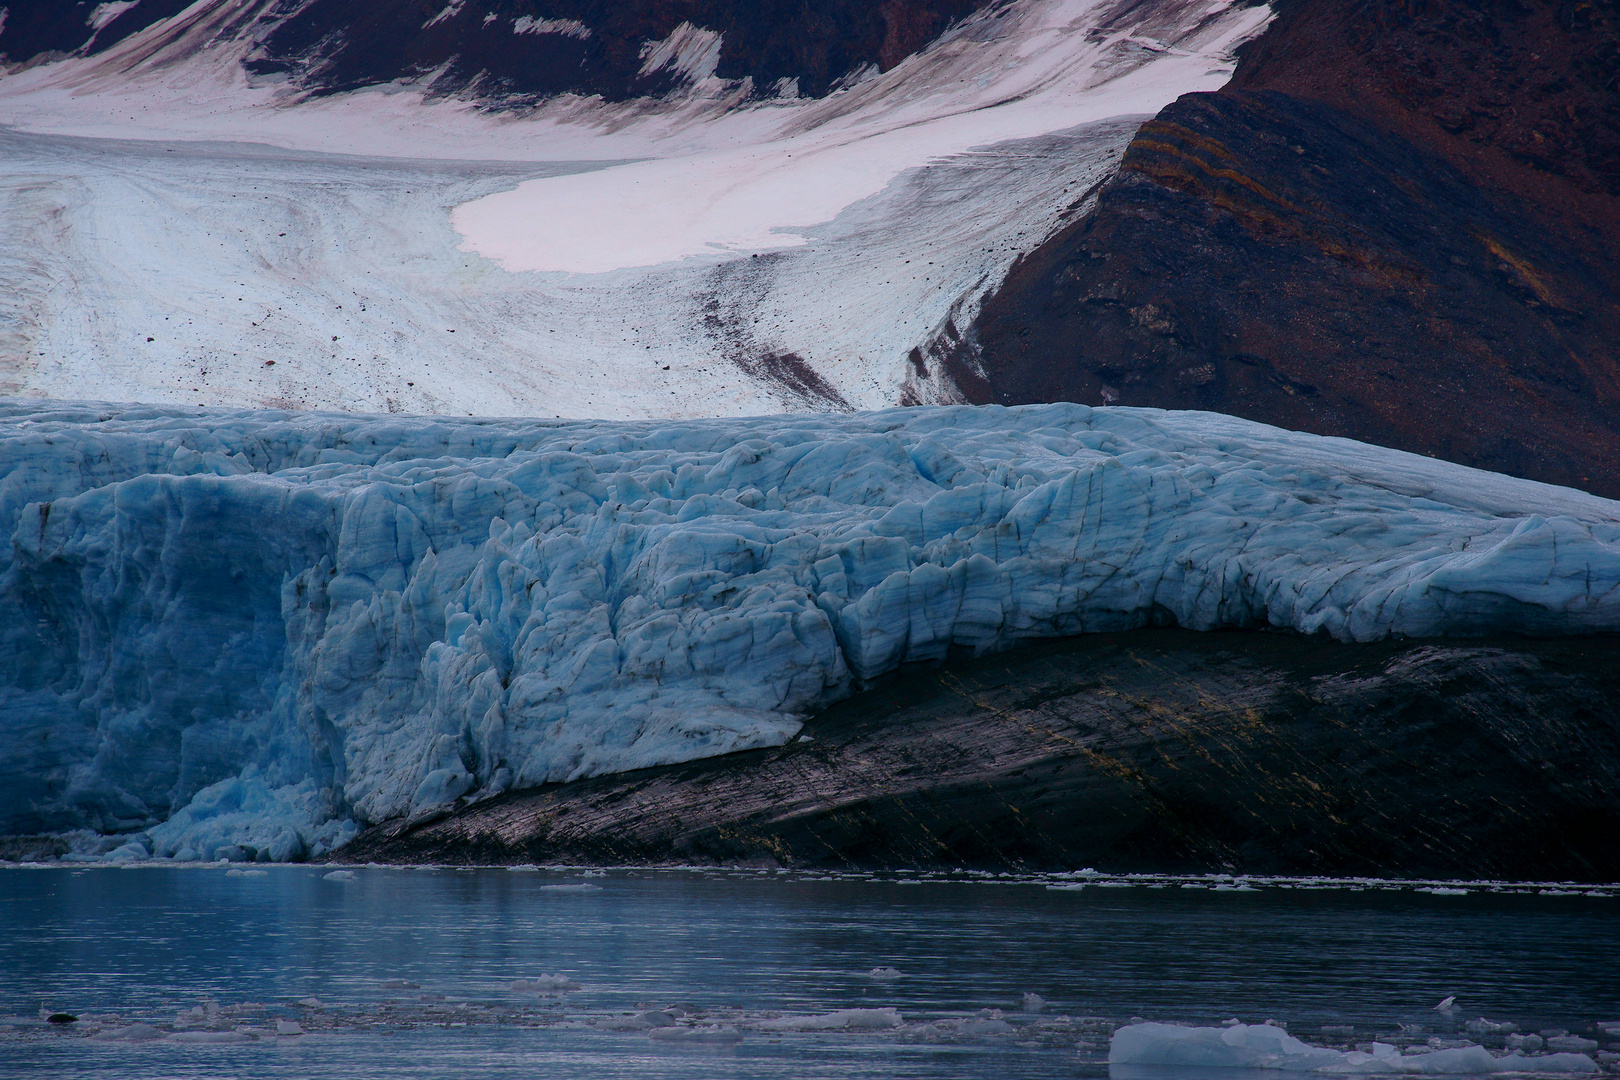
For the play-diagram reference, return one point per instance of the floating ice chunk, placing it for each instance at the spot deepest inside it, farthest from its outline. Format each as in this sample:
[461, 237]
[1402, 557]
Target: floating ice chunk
[132, 1033]
[842, 1020]
[1571, 1044]
[988, 1022]
[884, 974]
[311, 1003]
[238, 872]
[573, 887]
[338, 875]
[1259, 1046]
[522, 868]
[1447, 1002]
[210, 1037]
[289, 1027]
[1443, 890]
[699, 1034]
[544, 984]
[1034, 1003]
[652, 1018]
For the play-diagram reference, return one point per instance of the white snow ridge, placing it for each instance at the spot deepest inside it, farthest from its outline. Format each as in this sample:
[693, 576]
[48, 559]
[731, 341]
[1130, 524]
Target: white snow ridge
[264, 629]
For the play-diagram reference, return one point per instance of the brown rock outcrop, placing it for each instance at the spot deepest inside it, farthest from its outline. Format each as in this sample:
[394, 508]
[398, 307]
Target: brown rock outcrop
[1399, 223]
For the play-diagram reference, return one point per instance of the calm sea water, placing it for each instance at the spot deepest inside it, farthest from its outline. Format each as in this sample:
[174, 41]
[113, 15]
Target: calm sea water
[729, 951]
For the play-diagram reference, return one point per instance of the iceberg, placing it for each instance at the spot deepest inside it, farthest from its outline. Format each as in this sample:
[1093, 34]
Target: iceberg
[255, 632]
[1263, 1046]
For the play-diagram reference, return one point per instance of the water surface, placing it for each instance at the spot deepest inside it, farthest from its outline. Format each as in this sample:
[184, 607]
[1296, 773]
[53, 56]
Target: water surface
[731, 950]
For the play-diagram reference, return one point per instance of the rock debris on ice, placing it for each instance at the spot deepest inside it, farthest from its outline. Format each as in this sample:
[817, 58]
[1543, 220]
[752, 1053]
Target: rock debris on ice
[248, 633]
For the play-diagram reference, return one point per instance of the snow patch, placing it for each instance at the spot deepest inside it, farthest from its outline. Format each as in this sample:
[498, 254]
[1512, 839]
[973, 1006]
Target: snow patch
[451, 10]
[107, 12]
[689, 51]
[528, 24]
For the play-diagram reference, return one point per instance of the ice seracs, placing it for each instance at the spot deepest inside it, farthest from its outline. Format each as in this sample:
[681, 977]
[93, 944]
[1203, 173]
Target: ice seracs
[243, 635]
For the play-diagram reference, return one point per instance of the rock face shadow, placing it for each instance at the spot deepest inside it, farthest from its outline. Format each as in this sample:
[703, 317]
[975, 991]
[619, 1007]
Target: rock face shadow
[1151, 750]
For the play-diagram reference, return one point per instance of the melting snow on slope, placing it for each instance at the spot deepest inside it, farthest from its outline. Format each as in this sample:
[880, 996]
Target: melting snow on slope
[272, 625]
[1044, 68]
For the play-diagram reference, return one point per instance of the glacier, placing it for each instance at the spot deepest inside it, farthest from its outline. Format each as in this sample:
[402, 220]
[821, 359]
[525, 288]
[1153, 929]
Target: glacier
[247, 634]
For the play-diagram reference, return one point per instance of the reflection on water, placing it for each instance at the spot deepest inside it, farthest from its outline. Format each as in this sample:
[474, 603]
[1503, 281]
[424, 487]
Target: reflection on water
[726, 953]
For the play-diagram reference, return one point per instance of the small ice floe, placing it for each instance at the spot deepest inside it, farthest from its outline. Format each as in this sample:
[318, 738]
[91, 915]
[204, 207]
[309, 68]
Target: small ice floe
[884, 974]
[842, 1020]
[571, 887]
[1446, 1003]
[289, 1027]
[210, 1037]
[988, 1022]
[1444, 890]
[338, 875]
[132, 1033]
[544, 984]
[400, 984]
[1034, 1003]
[652, 1018]
[311, 1003]
[712, 1034]
[1259, 1046]
[1571, 1044]
[523, 868]
[239, 872]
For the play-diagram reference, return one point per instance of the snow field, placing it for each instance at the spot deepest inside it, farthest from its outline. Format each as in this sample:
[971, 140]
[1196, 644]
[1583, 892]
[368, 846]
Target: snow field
[165, 258]
[250, 633]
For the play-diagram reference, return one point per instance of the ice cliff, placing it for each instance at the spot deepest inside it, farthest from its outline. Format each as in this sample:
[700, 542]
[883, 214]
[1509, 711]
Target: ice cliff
[253, 631]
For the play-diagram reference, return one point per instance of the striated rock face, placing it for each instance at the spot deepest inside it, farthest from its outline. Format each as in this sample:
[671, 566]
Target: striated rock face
[516, 50]
[1396, 224]
[1153, 750]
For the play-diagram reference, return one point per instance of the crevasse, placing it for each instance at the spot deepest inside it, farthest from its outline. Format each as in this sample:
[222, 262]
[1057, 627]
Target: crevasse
[267, 629]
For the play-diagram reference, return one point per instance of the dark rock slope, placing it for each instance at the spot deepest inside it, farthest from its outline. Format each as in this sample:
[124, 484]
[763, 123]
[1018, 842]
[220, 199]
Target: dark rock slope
[1399, 223]
[1152, 750]
[509, 52]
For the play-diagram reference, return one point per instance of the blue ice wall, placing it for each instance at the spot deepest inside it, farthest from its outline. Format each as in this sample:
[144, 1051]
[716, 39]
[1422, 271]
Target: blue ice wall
[254, 628]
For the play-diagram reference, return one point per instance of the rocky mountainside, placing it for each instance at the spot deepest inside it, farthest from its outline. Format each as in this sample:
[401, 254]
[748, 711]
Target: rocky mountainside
[1397, 223]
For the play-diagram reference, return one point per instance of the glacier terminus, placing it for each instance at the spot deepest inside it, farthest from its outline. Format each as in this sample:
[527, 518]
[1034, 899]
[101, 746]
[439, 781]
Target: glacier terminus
[234, 633]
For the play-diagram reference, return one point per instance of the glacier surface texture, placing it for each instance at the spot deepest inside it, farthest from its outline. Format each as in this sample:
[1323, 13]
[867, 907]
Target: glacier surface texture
[257, 631]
